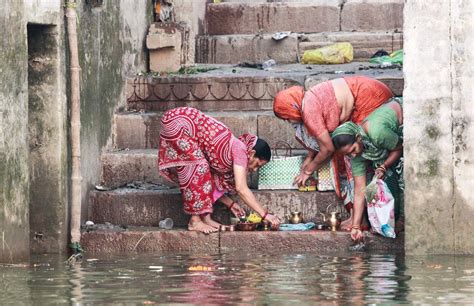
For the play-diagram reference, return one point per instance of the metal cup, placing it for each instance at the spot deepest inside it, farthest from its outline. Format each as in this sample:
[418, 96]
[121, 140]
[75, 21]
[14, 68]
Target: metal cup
[166, 224]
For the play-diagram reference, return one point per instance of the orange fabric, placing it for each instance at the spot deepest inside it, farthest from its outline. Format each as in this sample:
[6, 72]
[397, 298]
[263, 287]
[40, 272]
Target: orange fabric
[368, 95]
[321, 112]
[287, 103]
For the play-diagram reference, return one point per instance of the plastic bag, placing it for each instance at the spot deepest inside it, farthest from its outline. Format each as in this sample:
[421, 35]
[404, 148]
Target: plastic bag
[394, 58]
[338, 53]
[381, 208]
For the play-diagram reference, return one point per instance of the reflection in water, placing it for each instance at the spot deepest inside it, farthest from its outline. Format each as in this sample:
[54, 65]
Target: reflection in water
[241, 279]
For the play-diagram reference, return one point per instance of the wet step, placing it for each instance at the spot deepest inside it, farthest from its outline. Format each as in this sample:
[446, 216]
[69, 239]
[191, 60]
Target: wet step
[232, 88]
[304, 17]
[153, 240]
[142, 130]
[237, 48]
[125, 206]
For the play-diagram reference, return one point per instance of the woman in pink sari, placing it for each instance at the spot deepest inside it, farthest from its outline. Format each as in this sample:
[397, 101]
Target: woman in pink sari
[206, 160]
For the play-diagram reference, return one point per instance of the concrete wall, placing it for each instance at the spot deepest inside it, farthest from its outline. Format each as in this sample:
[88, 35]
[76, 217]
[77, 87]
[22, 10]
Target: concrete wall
[111, 44]
[34, 122]
[439, 134]
[191, 12]
[14, 192]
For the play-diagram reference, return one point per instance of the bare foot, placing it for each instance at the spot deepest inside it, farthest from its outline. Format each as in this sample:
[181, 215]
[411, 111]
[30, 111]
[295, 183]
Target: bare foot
[207, 220]
[196, 224]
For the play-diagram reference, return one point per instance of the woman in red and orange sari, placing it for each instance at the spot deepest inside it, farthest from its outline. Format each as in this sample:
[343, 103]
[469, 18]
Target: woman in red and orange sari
[318, 112]
[207, 161]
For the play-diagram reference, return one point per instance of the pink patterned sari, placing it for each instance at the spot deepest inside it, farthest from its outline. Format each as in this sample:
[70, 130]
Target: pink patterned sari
[199, 149]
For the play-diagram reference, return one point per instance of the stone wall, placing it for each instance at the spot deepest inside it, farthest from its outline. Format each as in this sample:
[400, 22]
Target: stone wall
[439, 134]
[111, 44]
[34, 122]
[14, 228]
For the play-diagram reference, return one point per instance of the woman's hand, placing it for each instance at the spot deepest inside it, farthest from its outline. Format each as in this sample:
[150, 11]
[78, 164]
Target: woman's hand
[380, 172]
[237, 210]
[356, 234]
[301, 179]
[274, 221]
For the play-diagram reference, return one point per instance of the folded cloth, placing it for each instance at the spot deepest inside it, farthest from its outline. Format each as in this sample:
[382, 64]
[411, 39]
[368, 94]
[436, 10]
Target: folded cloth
[297, 227]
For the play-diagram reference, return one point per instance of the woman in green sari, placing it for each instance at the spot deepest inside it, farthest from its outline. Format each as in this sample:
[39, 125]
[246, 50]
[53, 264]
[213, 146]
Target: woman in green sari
[376, 143]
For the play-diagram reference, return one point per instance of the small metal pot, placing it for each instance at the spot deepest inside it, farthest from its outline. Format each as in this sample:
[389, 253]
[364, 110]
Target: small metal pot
[321, 227]
[245, 226]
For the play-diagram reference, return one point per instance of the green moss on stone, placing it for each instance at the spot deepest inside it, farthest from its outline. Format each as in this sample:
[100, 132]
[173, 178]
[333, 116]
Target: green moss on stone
[433, 132]
[432, 167]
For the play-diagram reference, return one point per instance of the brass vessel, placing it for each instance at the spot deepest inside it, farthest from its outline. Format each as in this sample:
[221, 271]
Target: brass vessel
[295, 217]
[334, 221]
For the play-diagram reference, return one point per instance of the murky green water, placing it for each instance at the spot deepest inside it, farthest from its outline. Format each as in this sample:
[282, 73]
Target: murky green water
[241, 279]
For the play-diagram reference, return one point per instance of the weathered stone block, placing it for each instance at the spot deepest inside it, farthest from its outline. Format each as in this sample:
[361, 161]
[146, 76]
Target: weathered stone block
[168, 44]
[206, 93]
[245, 18]
[152, 240]
[372, 15]
[163, 40]
[122, 167]
[365, 43]
[148, 240]
[274, 129]
[142, 131]
[246, 48]
[324, 242]
[148, 207]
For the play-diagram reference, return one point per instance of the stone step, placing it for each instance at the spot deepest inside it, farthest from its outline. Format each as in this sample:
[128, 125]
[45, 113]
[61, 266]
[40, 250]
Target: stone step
[365, 44]
[211, 92]
[122, 167]
[232, 88]
[142, 130]
[254, 18]
[231, 49]
[304, 17]
[134, 207]
[372, 15]
[238, 48]
[153, 240]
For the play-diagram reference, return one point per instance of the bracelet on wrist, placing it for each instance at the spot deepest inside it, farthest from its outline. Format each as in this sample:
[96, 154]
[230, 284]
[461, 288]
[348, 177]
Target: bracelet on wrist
[231, 205]
[357, 227]
[264, 215]
[308, 173]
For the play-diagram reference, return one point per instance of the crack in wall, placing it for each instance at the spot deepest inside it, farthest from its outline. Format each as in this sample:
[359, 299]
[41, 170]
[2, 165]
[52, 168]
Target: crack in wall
[340, 13]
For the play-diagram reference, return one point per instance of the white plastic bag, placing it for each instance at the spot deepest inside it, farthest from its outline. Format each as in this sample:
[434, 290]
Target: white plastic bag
[381, 208]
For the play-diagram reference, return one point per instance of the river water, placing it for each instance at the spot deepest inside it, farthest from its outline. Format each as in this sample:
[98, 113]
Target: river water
[240, 279]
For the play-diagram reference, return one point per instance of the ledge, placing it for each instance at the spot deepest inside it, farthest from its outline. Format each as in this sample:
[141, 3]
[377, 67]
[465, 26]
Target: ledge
[152, 240]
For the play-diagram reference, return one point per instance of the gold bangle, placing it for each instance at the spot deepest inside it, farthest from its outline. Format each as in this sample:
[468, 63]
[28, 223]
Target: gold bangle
[306, 172]
[357, 227]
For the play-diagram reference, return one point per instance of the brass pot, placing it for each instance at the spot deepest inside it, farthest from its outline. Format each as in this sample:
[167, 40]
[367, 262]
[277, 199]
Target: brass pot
[334, 221]
[295, 217]
[245, 226]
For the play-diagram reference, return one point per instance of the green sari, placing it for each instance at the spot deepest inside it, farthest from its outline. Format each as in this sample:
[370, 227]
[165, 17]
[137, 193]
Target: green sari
[384, 134]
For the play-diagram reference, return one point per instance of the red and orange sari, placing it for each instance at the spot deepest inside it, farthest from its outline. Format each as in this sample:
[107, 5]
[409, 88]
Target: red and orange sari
[198, 152]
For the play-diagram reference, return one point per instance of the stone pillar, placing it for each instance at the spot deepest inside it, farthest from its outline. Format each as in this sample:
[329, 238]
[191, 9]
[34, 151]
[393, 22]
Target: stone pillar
[439, 134]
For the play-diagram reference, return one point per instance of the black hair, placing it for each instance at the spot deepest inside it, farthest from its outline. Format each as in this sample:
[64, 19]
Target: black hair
[343, 140]
[262, 150]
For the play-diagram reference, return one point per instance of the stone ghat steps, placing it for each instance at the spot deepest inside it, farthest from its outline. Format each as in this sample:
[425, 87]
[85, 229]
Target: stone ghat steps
[142, 130]
[132, 207]
[153, 240]
[238, 48]
[232, 88]
[304, 17]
